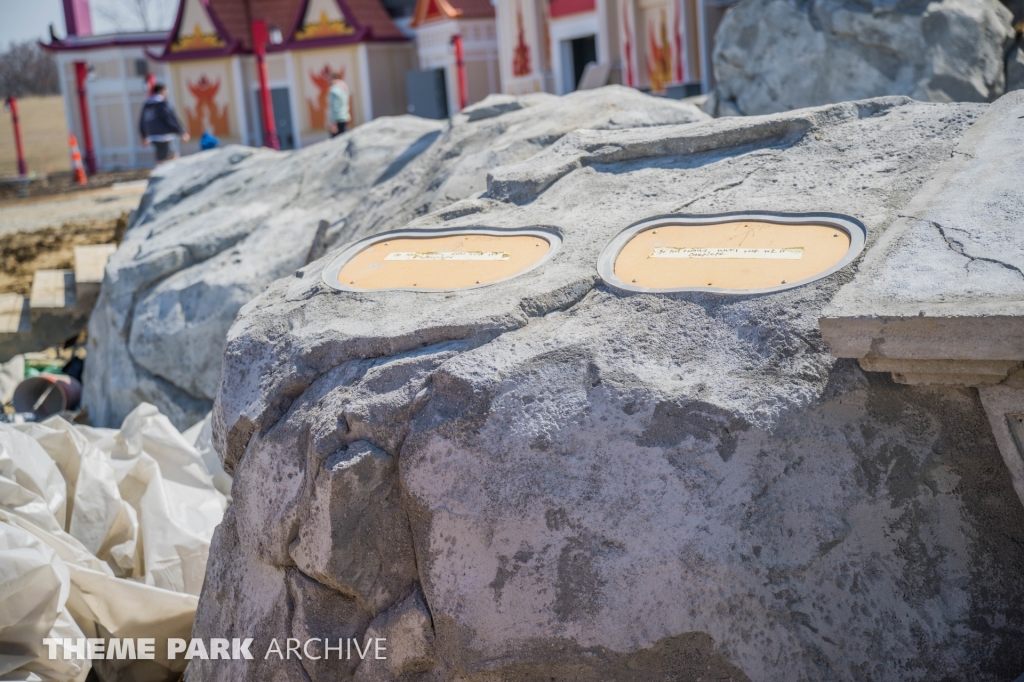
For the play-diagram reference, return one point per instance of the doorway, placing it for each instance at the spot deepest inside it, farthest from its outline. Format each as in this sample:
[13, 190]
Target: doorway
[426, 93]
[583, 51]
[283, 124]
[283, 117]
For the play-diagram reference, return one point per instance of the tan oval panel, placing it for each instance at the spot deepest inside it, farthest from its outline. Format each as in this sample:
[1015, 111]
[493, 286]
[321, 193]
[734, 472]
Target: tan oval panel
[730, 255]
[447, 262]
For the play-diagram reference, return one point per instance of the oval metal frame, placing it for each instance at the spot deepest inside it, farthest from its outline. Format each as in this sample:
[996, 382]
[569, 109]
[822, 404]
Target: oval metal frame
[330, 273]
[853, 228]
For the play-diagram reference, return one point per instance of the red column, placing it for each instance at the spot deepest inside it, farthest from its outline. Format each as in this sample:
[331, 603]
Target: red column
[260, 38]
[81, 73]
[12, 104]
[460, 70]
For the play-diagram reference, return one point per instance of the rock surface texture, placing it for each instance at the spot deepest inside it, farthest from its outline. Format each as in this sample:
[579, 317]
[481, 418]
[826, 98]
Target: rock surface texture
[214, 230]
[776, 55]
[547, 479]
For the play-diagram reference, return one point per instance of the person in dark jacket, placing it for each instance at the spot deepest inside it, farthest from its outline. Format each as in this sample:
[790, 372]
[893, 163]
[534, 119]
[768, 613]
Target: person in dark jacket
[159, 125]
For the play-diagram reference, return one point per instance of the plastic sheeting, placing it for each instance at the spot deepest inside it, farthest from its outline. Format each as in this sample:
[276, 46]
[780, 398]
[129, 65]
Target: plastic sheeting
[103, 533]
[12, 373]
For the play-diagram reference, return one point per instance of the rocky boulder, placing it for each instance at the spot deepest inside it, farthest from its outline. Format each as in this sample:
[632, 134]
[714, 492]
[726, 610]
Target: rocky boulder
[777, 55]
[1015, 69]
[547, 478]
[214, 229]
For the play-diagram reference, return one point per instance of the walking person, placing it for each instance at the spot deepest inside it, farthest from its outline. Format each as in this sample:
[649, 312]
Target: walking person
[159, 125]
[338, 106]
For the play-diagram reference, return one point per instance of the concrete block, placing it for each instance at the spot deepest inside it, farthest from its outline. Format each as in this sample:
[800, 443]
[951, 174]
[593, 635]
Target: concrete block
[53, 289]
[90, 262]
[942, 293]
[14, 314]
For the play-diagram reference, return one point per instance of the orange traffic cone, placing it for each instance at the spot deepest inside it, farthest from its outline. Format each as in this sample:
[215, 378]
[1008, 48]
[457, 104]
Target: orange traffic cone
[76, 160]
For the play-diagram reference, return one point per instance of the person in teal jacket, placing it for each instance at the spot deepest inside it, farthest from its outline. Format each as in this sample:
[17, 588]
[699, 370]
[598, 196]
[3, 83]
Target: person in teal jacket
[338, 106]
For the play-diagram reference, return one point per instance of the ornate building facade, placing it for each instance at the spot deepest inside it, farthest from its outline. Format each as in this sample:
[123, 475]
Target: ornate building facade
[209, 62]
[221, 75]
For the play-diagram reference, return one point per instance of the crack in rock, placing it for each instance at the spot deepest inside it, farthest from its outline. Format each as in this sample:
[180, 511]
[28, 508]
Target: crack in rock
[958, 247]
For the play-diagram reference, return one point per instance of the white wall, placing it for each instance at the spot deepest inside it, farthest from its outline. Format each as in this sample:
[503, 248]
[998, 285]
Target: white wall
[115, 95]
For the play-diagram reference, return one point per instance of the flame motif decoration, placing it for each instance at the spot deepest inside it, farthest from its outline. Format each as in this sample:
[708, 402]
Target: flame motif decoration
[659, 61]
[324, 28]
[521, 52]
[196, 40]
[206, 115]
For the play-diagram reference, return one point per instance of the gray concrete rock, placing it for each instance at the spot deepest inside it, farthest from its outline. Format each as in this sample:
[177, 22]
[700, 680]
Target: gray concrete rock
[776, 55]
[1015, 69]
[409, 634]
[610, 486]
[215, 229]
[290, 605]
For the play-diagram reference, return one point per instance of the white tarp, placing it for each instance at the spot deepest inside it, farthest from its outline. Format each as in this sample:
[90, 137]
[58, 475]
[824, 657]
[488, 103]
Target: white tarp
[103, 533]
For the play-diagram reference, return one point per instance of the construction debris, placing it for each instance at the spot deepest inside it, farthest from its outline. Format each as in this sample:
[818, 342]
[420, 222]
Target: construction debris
[50, 281]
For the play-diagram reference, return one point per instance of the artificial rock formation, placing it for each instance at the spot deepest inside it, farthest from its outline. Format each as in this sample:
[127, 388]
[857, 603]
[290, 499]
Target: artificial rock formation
[549, 479]
[215, 229]
[777, 55]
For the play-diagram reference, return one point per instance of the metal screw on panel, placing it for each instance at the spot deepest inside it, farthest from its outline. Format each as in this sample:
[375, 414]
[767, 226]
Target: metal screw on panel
[783, 281]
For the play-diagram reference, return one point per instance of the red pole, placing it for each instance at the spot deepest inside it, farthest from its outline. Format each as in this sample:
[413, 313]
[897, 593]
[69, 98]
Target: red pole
[150, 82]
[81, 73]
[12, 104]
[260, 38]
[460, 70]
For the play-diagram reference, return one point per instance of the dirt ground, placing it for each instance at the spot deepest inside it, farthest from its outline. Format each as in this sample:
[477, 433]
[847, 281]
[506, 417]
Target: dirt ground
[22, 253]
[40, 232]
[82, 207]
[44, 133]
[63, 183]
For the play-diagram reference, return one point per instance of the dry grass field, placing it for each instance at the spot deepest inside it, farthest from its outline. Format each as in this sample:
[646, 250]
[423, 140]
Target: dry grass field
[44, 133]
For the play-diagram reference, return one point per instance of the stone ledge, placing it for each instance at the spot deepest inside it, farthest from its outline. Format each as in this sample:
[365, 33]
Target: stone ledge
[927, 338]
[943, 372]
[939, 298]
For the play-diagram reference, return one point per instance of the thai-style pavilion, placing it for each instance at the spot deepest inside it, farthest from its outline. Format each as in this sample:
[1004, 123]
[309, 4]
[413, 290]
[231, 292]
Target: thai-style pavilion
[447, 28]
[662, 46]
[225, 62]
[231, 65]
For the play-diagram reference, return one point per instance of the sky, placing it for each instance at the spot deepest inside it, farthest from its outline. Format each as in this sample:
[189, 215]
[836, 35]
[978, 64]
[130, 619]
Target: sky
[22, 20]
[29, 20]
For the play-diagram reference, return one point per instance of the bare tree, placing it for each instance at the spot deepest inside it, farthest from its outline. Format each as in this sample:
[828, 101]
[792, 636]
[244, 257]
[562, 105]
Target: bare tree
[25, 69]
[134, 15]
